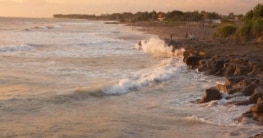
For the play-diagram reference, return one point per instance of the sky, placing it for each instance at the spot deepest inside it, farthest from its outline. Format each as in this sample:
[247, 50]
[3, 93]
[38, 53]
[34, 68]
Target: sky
[46, 8]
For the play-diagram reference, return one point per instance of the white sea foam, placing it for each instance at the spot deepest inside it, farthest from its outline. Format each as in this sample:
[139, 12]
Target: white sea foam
[222, 119]
[166, 70]
[123, 86]
[154, 46]
[146, 78]
[217, 113]
[53, 27]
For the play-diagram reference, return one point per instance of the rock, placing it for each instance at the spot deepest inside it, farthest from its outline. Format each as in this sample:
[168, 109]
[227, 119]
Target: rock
[255, 112]
[245, 102]
[258, 136]
[257, 108]
[247, 114]
[193, 61]
[243, 76]
[240, 69]
[257, 96]
[201, 53]
[230, 80]
[260, 100]
[257, 116]
[233, 91]
[256, 68]
[249, 90]
[221, 88]
[243, 84]
[215, 66]
[229, 69]
[210, 95]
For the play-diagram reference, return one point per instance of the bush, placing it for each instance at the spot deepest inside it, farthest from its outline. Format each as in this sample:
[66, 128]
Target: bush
[225, 31]
[253, 25]
[251, 29]
[257, 28]
[243, 33]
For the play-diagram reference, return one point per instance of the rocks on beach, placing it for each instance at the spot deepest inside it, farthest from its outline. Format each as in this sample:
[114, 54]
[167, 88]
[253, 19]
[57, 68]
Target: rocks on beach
[210, 95]
[243, 77]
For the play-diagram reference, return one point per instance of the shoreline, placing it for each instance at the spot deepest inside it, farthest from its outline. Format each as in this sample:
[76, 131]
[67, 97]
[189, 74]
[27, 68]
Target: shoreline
[240, 63]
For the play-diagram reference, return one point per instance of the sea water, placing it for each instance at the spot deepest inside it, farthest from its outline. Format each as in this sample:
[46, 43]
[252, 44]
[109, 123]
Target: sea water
[80, 78]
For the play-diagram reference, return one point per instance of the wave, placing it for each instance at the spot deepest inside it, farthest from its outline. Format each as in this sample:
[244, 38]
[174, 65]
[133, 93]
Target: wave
[48, 27]
[221, 113]
[166, 70]
[146, 78]
[158, 47]
[223, 120]
[15, 48]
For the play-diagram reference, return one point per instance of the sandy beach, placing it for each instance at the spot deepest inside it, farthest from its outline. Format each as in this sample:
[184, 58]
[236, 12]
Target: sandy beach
[204, 40]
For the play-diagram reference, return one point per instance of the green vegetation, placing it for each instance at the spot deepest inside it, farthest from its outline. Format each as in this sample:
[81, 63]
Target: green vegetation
[253, 24]
[225, 31]
[251, 28]
[171, 16]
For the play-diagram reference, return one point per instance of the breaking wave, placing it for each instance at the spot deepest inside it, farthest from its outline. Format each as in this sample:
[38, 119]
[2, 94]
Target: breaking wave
[158, 47]
[48, 27]
[167, 69]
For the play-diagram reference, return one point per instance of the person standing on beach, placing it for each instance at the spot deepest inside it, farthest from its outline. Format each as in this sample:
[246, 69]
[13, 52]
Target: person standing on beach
[173, 50]
[192, 36]
[186, 34]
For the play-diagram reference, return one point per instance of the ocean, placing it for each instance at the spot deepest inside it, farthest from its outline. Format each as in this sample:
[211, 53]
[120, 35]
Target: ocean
[79, 78]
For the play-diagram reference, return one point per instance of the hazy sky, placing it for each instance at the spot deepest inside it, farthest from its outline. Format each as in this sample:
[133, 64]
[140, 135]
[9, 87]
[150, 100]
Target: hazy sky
[46, 8]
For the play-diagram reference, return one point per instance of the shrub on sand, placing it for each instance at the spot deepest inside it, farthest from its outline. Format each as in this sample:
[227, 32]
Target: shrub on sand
[225, 31]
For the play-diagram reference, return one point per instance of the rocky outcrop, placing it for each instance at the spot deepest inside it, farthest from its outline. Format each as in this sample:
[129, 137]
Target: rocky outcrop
[243, 76]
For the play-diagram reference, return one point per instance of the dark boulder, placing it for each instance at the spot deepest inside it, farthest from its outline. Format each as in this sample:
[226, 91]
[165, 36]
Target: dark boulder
[257, 96]
[215, 66]
[243, 84]
[258, 117]
[249, 90]
[241, 69]
[229, 69]
[255, 69]
[257, 108]
[193, 61]
[233, 91]
[230, 80]
[210, 95]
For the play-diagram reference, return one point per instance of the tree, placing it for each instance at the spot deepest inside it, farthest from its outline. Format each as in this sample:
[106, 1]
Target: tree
[231, 15]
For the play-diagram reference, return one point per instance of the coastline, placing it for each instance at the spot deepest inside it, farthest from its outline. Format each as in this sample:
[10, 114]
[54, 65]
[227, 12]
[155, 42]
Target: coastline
[240, 63]
[74, 83]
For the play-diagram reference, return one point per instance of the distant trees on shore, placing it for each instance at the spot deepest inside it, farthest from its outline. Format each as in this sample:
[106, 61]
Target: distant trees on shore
[146, 16]
[238, 27]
